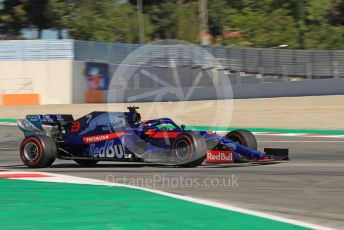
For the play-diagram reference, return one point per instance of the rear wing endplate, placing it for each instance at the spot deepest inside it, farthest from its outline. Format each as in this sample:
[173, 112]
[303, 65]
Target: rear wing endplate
[33, 124]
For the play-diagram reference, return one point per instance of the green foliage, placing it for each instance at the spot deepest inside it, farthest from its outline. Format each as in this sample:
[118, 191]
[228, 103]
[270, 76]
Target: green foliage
[106, 20]
[324, 37]
[318, 10]
[162, 17]
[187, 25]
[217, 13]
[36, 14]
[311, 24]
[264, 30]
[13, 18]
[175, 20]
[297, 23]
[18, 14]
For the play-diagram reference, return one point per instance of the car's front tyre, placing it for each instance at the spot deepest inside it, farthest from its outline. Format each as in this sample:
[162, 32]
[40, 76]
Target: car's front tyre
[243, 137]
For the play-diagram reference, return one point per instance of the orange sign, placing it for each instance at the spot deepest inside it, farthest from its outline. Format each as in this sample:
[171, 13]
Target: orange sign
[20, 99]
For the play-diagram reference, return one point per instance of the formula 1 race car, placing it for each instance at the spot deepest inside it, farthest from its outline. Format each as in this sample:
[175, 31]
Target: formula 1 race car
[122, 136]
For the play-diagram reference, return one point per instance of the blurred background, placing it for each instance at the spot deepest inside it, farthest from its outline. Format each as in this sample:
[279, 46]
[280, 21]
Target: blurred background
[267, 48]
[301, 24]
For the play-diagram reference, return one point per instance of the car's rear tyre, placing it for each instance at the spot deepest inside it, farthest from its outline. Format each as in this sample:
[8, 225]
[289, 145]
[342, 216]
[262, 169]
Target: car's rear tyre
[188, 150]
[87, 163]
[243, 137]
[38, 151]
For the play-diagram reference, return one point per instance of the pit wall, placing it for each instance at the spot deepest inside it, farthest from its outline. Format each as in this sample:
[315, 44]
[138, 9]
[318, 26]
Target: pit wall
[35, 82]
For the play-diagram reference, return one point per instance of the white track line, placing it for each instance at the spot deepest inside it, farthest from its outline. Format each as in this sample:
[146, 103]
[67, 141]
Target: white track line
[299, 135]
[309, 135]
[79, 180]
[300, 141]
[8, 123]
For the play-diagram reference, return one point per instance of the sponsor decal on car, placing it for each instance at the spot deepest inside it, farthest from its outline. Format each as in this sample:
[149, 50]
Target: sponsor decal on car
[103, 137]
[47, 118]
[108, 150]
[59, 118]
[32, 118]
[26, 125]
[219, 156]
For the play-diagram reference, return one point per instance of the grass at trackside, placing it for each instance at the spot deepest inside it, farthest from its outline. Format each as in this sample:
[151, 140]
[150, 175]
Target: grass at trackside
[258, 130]
[43, 205]
[271, 130]
[8, 120]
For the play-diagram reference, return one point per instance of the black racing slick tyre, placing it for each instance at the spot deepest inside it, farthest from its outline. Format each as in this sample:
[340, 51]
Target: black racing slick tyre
[243, 137]
[87, 163]
[188, 150]
[38, 151]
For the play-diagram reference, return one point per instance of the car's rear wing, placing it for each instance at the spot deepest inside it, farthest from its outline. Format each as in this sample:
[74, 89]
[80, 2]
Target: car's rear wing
[54, 119]
[33, 124]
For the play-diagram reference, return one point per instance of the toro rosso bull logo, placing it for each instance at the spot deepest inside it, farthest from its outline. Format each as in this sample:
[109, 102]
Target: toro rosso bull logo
[107, 120]
[108, 150]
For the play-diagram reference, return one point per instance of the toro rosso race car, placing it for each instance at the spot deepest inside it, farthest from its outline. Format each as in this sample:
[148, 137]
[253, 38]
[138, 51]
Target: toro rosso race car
[122, 136]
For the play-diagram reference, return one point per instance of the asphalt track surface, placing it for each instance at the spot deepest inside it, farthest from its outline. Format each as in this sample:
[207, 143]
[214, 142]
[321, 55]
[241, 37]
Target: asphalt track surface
[309, 188]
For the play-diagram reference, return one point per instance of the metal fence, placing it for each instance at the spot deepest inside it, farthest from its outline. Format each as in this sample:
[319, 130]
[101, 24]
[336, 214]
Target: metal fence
[276, 62]
[36, 50]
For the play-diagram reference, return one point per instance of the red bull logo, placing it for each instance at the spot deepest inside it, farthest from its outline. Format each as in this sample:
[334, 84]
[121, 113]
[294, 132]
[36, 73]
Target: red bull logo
[108, 150]
[219, 156]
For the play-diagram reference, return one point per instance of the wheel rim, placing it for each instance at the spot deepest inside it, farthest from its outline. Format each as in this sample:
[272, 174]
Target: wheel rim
[182, 149]
[31, 151]
[236, 139]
